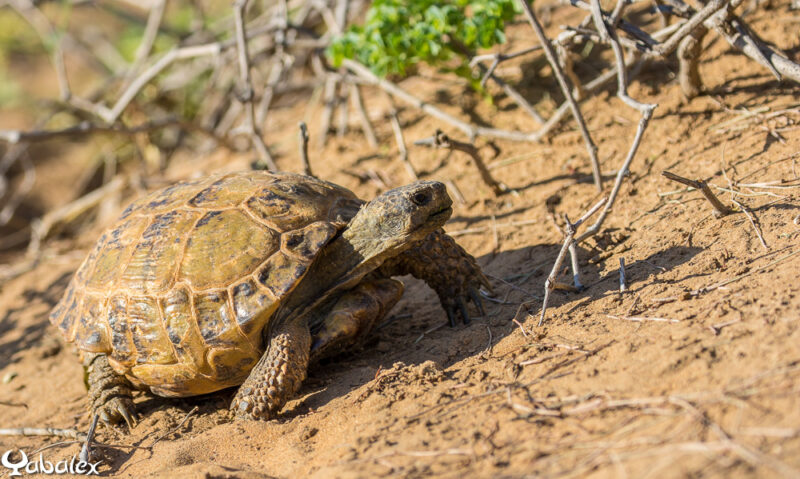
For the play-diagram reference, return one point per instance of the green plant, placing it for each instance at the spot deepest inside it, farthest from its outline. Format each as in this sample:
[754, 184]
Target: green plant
[397, 35]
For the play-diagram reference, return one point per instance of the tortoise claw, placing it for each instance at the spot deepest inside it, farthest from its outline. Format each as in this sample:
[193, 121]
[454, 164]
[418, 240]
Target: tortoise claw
[116, 410]
[105, 418]
[476, 300]
[464, 313]
[128, 414]
[451, 315]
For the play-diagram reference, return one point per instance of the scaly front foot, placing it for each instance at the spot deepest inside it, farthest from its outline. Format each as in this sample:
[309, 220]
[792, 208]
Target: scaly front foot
[448, 269]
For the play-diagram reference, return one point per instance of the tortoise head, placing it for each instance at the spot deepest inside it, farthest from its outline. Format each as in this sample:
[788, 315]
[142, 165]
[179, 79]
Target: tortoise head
[382, 229]
[397, 219]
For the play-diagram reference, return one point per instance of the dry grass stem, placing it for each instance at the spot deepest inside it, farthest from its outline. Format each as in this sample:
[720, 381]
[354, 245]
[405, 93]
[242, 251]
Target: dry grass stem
[640, 319]
[175, 429]
[752, 220]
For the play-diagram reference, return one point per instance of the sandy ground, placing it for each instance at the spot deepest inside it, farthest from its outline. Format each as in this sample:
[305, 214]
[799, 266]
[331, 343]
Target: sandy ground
[693, 372]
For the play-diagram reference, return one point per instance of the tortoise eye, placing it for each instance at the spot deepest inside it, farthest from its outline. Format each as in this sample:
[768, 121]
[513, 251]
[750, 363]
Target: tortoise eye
[420, 199]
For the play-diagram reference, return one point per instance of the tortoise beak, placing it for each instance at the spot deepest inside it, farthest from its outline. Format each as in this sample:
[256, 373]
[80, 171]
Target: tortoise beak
[441, 216]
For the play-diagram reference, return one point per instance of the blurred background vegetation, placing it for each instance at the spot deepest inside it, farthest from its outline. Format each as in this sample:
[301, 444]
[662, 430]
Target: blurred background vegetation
[67, 64]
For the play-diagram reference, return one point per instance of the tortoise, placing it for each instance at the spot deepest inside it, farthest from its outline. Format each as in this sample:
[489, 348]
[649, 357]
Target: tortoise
[246, 279]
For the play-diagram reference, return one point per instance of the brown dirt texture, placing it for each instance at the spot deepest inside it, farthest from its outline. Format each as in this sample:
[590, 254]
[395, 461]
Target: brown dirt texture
[694, 371]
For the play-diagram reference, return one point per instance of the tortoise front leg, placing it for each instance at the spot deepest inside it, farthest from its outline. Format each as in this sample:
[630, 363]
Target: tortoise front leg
[447, 268]
[278, 374]
[354, 316]
[109, 393]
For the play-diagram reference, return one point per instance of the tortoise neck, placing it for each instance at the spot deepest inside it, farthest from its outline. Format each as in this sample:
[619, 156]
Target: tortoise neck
[341, 265]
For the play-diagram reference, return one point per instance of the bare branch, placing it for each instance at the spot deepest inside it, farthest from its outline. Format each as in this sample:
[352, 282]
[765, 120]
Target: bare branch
[742, 38]
[501, 57]
[566, 90]
[151, 30]
[470, 130]
[303, 140]
[14, 199]
[697, 19]
[401, 142]
[28, 10]
[689, 60]
[70, 211]
[85, 128]
[643, 122]
[720, 209]
[86, 449]
[329, 99]
[246, 87]
[43, 431]
[510, 91]
[440, 140]
[551, 284]
[366, 124]
[344, 110]
[146, 76]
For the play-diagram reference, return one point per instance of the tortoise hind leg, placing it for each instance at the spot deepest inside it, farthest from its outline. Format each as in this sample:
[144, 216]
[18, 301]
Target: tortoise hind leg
[109, 393]
[354, 316]
[278, 374]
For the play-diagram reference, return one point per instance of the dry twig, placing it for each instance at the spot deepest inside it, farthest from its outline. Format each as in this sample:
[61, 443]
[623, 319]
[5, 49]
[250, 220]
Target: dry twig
[550, 283]
[70, 211]
[246, 87]
[440, 140]
[43, 431]
[401, 142]
[86, 448]
[303, 141]
[752, 220]
[175, 429]
[566, 90]
[719, 208]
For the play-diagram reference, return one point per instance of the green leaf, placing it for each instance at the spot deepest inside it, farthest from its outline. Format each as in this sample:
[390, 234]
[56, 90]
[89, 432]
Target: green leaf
[397, 35]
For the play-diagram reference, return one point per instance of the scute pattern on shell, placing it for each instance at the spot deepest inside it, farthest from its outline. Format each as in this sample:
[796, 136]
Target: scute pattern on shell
[179, 290]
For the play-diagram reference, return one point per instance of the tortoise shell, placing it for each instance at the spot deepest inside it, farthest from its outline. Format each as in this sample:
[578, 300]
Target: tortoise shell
[178, 292]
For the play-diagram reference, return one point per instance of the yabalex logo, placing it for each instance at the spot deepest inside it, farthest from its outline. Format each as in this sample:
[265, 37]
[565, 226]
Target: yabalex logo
[22, 466]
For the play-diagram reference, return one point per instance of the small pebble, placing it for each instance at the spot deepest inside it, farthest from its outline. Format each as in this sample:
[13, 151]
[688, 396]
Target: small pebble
[9, 377]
